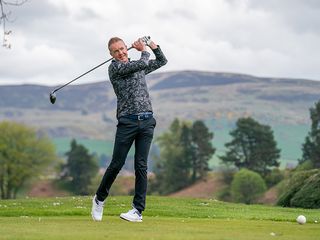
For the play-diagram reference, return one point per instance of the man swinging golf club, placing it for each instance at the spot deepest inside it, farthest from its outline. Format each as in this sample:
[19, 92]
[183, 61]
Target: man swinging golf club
[135, 121]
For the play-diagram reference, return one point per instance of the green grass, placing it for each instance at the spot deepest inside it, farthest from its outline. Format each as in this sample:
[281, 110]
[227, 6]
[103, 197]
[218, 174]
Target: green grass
[164, 218]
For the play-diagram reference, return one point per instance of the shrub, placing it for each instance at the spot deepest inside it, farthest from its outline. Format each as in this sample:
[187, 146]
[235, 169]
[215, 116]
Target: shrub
[274, 177]
[294, 185]
[224, 194]
[306, 165]
[227, 175]
[247, 186]
[309, 194]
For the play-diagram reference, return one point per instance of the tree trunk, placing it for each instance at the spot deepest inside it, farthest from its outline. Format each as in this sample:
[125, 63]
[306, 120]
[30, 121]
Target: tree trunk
[2, 187]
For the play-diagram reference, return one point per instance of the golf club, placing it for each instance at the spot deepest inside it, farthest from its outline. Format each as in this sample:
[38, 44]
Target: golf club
[53, 96]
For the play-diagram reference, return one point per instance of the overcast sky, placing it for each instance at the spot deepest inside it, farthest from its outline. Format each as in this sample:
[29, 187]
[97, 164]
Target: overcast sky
[54, 41]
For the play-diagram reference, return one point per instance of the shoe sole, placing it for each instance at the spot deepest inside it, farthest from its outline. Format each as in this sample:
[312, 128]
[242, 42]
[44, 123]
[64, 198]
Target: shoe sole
[129, 220]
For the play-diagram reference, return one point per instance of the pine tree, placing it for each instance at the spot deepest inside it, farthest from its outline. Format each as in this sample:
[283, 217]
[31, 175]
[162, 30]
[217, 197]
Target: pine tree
[311, 147]
[202, 148]
[169, 177]
[80, 168]
[185, 151]
[252, 147]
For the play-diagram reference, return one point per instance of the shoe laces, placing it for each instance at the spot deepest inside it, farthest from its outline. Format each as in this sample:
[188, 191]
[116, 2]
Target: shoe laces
[99, 205]
[134, 211]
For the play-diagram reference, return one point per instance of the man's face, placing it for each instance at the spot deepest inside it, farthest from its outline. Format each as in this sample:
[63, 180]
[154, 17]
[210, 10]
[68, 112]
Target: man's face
[119, 51]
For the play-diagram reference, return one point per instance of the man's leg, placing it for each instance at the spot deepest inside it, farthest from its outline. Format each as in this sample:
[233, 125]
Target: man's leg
[126, 131]
[142, 145]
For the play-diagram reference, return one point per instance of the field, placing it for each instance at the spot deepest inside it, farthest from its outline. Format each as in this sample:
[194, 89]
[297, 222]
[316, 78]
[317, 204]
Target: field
[289, 139]
[165, 218]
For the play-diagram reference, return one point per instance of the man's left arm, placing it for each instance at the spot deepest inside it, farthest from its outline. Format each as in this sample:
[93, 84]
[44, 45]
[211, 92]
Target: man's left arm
[160, 60]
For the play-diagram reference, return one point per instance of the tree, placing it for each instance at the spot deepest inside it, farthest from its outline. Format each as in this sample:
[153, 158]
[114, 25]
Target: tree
[188, 153]
[247, 186]
[4, 18]
[80, 169]
[252, 147]
[171, 168]
[184, 154]
[201, 138]
[311, 147]
[24, 155]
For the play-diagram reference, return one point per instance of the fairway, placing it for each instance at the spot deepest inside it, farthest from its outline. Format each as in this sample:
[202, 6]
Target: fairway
[166, 218]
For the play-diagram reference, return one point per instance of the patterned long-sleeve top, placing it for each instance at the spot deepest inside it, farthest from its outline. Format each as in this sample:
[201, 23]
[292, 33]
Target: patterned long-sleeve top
[129, 83]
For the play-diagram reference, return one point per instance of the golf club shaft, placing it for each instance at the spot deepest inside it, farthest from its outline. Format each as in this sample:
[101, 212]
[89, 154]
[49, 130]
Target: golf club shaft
[57, 89]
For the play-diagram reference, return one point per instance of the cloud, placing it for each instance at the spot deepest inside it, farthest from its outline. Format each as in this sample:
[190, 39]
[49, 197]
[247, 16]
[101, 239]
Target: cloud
[300, 16]
[64, 38]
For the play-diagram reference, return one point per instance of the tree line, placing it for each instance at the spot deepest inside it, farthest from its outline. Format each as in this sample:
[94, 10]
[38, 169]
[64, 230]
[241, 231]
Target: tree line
[185, 151]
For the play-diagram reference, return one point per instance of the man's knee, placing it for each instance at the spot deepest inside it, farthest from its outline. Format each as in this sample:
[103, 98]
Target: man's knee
[140, 165]
[115, 167]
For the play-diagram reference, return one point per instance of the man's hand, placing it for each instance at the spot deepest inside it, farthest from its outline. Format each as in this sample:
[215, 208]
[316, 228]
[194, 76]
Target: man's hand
[147, 41]
[139, 45]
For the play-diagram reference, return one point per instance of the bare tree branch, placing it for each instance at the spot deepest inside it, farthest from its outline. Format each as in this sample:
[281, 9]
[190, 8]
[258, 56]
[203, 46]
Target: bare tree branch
[4, 18]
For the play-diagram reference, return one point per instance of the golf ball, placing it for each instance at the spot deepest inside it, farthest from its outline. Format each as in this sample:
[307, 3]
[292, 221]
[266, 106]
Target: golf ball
[301, 219]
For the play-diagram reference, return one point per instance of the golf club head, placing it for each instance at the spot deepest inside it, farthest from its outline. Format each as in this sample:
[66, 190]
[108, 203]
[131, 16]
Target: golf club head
[53, 97]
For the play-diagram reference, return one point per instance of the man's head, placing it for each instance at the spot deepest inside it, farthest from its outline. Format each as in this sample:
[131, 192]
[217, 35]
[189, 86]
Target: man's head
[118, 50]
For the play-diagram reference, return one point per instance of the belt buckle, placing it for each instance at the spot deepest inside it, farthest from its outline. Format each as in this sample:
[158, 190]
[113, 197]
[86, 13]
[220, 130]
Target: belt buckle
[140, 117]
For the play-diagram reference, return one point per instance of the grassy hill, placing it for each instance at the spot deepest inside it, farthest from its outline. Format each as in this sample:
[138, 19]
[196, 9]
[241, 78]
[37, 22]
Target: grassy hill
[288, 137]
[87, 111]
[165, 218]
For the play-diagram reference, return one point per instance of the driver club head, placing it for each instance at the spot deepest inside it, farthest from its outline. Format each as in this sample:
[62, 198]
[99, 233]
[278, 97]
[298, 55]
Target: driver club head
[53, 97]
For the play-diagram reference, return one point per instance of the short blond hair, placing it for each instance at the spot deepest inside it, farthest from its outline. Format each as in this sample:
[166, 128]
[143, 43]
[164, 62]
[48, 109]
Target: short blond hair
[113, 40]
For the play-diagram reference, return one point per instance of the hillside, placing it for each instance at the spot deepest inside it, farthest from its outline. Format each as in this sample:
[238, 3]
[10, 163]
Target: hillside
[207, 188]
[87, 111]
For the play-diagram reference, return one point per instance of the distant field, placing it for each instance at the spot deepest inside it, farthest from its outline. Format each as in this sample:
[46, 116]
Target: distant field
[289, 138]
[95, 146]
[165, 218]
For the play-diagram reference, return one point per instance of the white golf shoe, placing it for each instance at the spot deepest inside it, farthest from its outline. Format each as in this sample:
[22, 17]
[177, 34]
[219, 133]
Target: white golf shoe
[97, 209]
[132, 215]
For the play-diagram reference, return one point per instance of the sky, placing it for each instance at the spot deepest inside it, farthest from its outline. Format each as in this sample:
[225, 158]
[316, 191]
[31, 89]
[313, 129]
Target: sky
[54, 41]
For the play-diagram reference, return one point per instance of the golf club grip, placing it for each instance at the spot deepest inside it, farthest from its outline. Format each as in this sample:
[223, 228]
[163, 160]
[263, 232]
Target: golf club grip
[57, 89]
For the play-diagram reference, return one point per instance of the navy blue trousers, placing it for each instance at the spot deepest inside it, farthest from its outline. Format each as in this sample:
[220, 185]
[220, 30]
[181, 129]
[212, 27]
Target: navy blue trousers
[129, 131]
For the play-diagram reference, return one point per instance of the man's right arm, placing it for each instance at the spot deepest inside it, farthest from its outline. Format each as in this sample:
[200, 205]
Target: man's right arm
[119, 69]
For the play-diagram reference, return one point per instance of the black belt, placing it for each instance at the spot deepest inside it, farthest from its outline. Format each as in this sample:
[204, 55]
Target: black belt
[140, 116]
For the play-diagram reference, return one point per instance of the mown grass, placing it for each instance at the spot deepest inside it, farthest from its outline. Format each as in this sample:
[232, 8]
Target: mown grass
[164, 218]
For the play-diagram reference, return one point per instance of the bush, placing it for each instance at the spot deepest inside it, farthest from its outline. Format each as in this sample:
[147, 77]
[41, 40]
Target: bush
[274, 177]
[297, 182]
[227, 175]
[224, 194]
[306, 165]
[309, 195]
[247, 186]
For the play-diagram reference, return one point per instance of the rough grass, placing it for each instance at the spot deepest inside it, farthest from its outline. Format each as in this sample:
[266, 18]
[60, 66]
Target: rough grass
[165, 218]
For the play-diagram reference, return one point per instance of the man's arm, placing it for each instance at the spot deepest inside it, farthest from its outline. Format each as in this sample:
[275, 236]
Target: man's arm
[121, 69]
[160, 60]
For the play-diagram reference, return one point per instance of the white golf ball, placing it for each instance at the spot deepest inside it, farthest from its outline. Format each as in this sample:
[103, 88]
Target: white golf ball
[301, 219]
